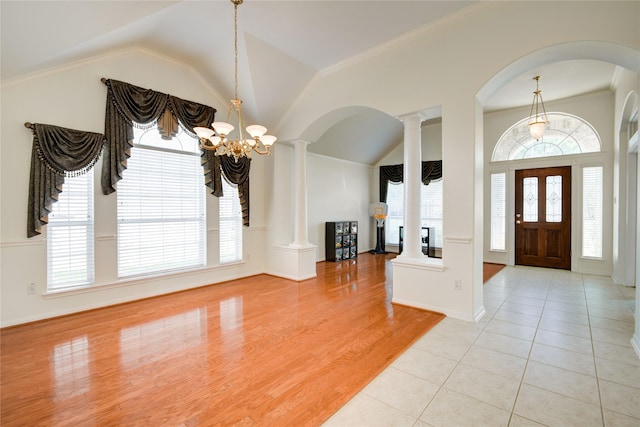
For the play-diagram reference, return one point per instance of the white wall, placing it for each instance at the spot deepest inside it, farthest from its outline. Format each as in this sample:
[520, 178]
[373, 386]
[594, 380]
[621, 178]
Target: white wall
[597, 109]
[627, 271]
[338, 190]
[625, 189]
[452, 66]
[431, 148]
[74, 97]
[446, 66]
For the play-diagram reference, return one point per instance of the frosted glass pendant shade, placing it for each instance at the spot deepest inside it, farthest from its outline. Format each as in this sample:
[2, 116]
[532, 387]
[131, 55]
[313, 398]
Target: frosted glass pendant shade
[268, 140]
[223, 128]
[256, 131]
[537, 129]
[203, 132]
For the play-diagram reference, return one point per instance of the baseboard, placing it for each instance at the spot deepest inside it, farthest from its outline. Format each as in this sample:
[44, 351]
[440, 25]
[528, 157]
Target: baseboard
[635, 343]
[449, 313]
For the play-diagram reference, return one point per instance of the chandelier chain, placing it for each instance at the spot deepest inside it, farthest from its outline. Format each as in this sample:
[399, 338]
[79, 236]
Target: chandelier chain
[217, 139]
[235, 45]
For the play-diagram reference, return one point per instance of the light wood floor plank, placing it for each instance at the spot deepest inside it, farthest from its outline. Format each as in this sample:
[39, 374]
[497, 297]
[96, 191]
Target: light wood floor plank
[255, 351]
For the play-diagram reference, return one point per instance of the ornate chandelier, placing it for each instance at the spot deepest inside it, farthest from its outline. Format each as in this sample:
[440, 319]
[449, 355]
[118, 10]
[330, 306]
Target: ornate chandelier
[217, 139]
[538, 121]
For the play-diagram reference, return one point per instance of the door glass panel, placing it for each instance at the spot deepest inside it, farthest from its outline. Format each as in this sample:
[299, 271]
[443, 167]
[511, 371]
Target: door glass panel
[530, 199]
[554, 198]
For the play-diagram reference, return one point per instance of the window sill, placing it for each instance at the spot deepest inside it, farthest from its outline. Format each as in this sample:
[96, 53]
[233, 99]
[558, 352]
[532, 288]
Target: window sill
[586, 258]
[134, 281]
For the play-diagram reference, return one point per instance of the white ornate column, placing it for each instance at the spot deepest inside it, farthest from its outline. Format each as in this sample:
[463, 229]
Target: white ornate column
[300, 233]
[412, 179]
[295, 260]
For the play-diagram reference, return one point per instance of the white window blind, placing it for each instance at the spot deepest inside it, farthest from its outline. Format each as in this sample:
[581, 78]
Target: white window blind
[395, 212]
[431, 211]
[592, 211]
[70, 260]
[230, 224]
[161, 206]
[498, 209]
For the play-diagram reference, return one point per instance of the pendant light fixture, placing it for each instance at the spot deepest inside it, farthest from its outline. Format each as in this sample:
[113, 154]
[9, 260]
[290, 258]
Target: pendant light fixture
[217, 138]
[538, 119]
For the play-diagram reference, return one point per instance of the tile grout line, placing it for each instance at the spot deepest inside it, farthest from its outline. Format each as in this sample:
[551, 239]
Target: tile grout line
[460, 361]
[526, 365]
[593, 350]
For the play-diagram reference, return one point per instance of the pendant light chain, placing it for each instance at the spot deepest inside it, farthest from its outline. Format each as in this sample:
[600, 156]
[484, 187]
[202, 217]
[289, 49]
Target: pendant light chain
[538, 121]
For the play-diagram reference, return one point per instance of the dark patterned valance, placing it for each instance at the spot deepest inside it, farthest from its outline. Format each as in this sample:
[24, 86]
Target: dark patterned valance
[430, 170]
[57, 152]
[391, 173]
[235, 172]
[128, 106]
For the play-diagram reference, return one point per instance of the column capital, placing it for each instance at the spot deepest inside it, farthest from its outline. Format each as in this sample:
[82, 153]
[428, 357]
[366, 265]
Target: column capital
[413, 117]
[421, 115]
[300, 142]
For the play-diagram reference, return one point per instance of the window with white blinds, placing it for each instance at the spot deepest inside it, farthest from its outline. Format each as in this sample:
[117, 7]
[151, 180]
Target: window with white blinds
[498, 209]
[395, 212]
[161, 206]
[592, 183]
[431, 210]
[70, 260]
[230, 224]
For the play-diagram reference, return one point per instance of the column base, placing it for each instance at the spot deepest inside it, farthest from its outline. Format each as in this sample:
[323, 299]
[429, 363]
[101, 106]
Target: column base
[425, 283]
[294, 262]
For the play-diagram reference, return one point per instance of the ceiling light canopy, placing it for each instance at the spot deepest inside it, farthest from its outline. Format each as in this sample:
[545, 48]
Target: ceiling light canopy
[217, 138]
[538, 120]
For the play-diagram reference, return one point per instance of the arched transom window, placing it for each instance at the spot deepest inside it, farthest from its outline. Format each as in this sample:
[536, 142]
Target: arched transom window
[565, 134]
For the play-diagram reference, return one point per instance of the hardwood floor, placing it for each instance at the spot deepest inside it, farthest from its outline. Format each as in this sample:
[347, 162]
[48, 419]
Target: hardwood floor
[255, 351]
[489, 270]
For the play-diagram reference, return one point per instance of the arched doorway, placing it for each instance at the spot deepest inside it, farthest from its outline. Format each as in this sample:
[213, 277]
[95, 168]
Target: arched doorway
[542, 195]
[611, 53]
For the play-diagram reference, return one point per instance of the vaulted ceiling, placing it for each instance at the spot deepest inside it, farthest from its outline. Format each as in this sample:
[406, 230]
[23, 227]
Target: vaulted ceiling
[282, 46]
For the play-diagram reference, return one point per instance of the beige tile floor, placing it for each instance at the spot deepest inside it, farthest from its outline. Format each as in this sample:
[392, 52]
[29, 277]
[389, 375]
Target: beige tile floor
[553, 349]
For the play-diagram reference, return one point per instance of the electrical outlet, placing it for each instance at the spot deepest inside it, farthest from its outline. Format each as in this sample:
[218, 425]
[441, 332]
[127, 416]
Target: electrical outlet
[31, 288]
[457, 285]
